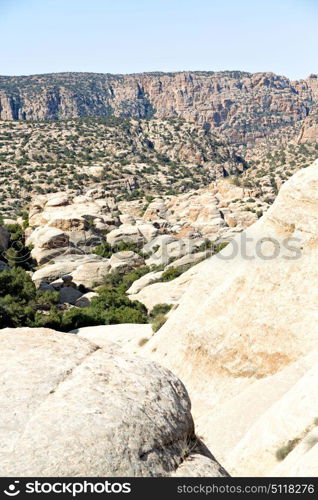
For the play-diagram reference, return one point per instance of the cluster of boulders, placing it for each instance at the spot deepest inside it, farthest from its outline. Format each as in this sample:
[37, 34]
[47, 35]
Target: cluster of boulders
[243, 339]
[63, 233]
[169, 232]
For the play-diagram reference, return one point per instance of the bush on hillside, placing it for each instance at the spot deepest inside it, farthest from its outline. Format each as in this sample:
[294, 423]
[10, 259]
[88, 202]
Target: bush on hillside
[171, 273]
[159, 309]
[17, 298]
[21, 305]
[18, 254]
[106, 250]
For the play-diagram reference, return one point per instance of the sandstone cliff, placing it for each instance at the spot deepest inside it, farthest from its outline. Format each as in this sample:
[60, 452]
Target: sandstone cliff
[242, 105]
[241, 333]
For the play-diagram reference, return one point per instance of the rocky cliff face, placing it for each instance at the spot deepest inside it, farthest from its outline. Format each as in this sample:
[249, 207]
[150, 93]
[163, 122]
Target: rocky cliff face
[242, 105]
[243, 337]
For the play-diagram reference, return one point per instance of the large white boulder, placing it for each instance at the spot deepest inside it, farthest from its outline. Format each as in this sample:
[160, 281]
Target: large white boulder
[144, 281]
[85, 299]
[48, 237]
[64, 264]
[169, 292]
[249, 312]
[69, 408]
[125, 232]
[91, 274]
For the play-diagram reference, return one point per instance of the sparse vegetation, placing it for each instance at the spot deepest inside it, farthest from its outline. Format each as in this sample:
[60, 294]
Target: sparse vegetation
[118, 153]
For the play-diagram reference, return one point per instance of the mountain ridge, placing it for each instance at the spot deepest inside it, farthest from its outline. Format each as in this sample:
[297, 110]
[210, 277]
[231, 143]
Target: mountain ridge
[241, 106]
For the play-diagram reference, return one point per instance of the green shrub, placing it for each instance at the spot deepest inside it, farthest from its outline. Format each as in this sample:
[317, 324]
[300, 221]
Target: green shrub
[159, 309]
[47, 298]
[116, 280]
[18, 254]
[77, 318]
[171, 273]
[51, 320]
[109, 308]
[104, 250]
[158, 322]
[18, 283]
[17, 294]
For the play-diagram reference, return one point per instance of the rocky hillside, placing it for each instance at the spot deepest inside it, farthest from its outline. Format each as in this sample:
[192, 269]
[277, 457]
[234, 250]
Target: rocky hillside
[242, 106]
[244, 340]
[127, 157]
[236, 324]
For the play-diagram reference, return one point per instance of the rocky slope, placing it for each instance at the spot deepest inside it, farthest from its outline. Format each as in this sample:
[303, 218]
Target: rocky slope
[64, 412]
[127, 157]
[175, 230]
[259, 129]
[241, 333]
[244, 106]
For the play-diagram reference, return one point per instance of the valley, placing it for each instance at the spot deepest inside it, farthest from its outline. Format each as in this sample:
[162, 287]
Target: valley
[158, 238]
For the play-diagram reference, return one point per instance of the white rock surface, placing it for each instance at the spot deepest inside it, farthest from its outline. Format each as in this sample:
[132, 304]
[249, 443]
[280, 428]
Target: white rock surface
[65, 264]
[91, 274]
[129, 337]
[69, 408]
[126, 232]
[169, 292]
[242, 329]
[302, 461]
[249, 318]
[48, 237]
[125, 261]
[144, 281]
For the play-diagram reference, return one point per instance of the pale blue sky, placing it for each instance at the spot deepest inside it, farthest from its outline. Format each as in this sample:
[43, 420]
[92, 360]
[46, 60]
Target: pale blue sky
[127, 36]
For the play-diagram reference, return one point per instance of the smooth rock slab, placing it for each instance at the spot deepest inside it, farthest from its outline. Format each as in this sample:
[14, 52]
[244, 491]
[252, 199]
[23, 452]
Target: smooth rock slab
[127, 336]
[69, 408]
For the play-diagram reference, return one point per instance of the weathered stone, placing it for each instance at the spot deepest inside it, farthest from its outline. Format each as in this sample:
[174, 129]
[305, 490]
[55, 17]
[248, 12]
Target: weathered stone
[128, 337]
[125, 261]
[91, 273]
[144, 281]
[66, 413]
[125, 232]
[249, 314]
[85, 300]
[65, 264]
[69, 295]
[48, 237]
